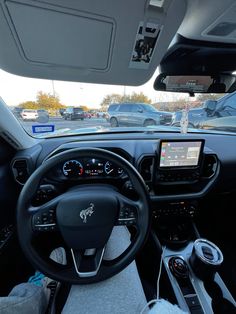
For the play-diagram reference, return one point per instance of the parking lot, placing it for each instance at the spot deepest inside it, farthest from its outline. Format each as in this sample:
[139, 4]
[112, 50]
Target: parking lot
[61, 124]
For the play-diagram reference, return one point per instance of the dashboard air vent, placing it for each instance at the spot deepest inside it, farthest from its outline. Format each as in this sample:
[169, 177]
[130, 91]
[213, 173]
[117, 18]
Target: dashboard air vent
[20, 170]
[209, 166]
[145, 168]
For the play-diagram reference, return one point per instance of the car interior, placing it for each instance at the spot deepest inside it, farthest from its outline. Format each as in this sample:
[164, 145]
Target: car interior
[174, 192]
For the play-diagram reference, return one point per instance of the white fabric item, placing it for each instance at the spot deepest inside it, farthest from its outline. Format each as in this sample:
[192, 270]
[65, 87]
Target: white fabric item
[165, 307]
[121, 294]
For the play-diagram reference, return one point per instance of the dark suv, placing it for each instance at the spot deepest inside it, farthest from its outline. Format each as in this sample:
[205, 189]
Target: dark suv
[137, 114]
[213, 113]
[74, 113]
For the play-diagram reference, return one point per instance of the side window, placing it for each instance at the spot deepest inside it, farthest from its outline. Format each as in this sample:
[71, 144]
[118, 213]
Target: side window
[135, 108]
[125, 108]
[113, 107]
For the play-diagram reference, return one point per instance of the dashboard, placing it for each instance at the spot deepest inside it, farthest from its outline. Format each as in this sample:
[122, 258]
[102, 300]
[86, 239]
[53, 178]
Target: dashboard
[178, 170]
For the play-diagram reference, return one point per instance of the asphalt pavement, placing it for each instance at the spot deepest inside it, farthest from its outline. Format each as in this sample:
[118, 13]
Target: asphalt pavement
[61, 124]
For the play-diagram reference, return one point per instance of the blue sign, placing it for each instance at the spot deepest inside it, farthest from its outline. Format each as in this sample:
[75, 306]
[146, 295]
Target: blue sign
[43, 128]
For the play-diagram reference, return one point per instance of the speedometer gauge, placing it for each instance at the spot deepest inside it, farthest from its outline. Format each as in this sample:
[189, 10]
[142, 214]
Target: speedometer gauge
[112, 170]
[72, 169]
[109, 169]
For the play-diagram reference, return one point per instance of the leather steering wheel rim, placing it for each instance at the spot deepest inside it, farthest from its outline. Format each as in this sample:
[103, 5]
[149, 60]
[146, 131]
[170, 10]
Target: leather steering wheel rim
[107, 268]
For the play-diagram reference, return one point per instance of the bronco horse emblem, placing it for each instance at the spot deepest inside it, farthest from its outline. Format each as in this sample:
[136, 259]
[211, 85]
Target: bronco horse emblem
[87, 212]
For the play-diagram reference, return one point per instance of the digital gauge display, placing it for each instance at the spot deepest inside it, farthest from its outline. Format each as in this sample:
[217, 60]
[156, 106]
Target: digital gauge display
[90, 167]
[94, 167]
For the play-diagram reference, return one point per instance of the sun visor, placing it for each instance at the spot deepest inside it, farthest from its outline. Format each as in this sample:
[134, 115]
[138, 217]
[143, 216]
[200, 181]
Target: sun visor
[105, 41]
[60, 37]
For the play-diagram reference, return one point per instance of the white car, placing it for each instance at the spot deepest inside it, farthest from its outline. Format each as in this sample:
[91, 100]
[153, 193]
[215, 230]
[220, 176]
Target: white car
[29, 114]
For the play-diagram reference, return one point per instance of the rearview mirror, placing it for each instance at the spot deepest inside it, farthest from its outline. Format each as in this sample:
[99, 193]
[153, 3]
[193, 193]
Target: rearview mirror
[220, 83]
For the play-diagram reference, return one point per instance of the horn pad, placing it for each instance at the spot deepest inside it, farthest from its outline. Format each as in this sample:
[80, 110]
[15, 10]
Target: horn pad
[86, 219]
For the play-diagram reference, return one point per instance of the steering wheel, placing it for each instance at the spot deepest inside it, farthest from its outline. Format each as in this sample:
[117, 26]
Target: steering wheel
[84, 217]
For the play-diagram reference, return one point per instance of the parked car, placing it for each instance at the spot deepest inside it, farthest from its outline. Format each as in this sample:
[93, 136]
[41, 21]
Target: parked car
[101, 115]
[74, 113]
[112, 107]
[43, 115]
[227, 124]
[29, 114]
[17, 112]
[211, 109]
[62, 111]
[43, 112]
[93, 113]
[87, 115]
[137, 114]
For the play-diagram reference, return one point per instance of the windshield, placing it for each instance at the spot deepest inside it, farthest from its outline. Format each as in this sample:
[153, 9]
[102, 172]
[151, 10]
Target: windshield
[54, 108]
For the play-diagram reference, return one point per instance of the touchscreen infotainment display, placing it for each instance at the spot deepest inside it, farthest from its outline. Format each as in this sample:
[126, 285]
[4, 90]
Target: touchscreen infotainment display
[180, 154]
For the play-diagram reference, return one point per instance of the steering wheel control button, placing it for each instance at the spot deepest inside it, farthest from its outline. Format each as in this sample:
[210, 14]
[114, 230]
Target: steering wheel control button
[127, 216]
[45, 221]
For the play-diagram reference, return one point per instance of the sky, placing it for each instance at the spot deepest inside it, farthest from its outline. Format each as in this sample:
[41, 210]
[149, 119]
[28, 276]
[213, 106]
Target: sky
[16, 89]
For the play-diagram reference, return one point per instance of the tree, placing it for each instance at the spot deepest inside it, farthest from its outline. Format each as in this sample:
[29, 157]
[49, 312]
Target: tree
[109, 99]
[48, 101]
[44, 101]
[85, 108]
[204, 97]
[28, 105]
[117, 98]
[137, 97]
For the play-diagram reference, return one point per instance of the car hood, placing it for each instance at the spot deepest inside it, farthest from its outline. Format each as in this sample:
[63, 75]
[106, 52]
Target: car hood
[104, 130]
[222, 124]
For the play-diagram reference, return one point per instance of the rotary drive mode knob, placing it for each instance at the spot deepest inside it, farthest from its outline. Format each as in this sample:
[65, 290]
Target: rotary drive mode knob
[178, 267]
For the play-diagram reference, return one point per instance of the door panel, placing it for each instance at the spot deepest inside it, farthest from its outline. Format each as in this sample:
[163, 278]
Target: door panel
[13, 266]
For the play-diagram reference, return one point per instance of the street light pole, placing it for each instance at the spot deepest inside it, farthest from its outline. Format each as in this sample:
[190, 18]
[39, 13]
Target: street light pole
[53, 89]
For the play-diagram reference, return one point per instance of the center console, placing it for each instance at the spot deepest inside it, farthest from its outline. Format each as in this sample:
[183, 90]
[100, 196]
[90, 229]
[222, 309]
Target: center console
[184, 172]
[179, 162]
[196, 283]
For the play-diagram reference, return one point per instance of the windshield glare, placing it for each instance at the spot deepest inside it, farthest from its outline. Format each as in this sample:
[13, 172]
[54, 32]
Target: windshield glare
[54, 108]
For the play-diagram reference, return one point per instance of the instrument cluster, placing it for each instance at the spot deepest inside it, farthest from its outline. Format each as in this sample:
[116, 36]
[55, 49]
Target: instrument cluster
[73, 169]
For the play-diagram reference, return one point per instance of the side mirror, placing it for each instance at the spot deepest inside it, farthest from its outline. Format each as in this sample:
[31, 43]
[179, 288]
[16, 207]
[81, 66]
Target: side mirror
[210, 105]
[140, 110]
